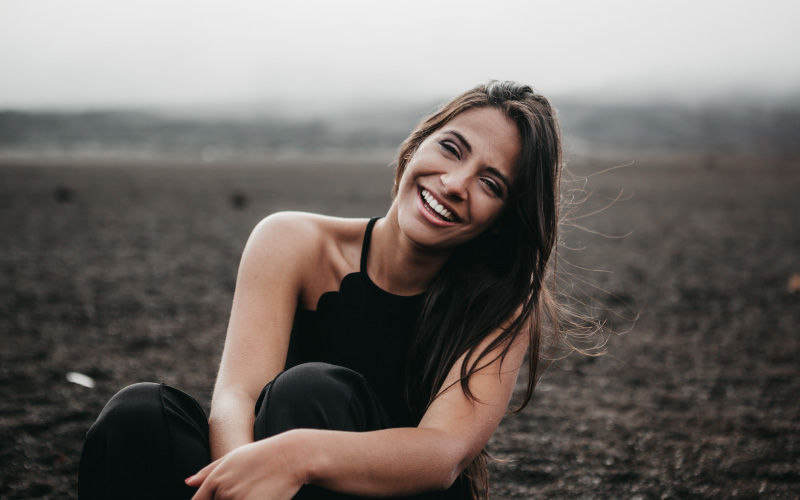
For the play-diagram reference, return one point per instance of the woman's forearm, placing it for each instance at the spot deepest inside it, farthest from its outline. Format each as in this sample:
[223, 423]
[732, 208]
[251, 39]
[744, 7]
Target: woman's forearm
[230, 424]
[390, 462]
[383, 463]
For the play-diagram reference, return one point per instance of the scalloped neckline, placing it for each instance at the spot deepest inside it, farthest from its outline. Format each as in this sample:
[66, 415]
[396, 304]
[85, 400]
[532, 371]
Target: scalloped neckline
[372, 286]
[362, 271]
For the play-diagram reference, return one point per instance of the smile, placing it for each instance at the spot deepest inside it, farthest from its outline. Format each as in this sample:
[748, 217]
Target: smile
[437, 208]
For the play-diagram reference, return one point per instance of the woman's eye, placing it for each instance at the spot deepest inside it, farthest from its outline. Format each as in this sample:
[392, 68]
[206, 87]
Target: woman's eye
[492, 185]
[450, 149]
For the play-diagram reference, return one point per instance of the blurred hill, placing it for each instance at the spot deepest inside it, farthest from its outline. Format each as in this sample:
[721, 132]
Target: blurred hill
[376, 131]
[747, 128]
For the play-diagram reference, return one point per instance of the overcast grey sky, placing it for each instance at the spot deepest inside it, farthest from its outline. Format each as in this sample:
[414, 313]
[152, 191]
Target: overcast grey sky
[106, 53]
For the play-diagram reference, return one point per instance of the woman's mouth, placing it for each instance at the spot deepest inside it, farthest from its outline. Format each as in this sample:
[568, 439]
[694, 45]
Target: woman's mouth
[436, 208]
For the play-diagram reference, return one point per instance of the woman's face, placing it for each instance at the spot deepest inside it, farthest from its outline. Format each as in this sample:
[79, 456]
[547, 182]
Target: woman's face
[457, 183]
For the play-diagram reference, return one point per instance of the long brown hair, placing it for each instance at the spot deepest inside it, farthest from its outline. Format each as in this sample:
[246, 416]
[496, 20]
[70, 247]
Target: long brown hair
[498, 278]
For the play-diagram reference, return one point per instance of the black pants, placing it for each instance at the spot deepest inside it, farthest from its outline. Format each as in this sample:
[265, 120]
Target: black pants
[150, 437]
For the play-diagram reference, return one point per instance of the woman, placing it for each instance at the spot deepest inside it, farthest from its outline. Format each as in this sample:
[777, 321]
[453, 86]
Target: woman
[410, 329]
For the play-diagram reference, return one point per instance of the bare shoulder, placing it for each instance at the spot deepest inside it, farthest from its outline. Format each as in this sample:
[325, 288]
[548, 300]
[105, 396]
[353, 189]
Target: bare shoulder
[302, 230]
[302, 238]
[295, 230]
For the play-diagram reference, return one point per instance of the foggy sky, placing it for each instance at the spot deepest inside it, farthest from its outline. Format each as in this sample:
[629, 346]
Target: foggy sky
[107, 53]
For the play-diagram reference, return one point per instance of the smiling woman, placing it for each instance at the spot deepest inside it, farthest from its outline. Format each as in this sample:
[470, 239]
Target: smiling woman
[368, 358]
[458, 178]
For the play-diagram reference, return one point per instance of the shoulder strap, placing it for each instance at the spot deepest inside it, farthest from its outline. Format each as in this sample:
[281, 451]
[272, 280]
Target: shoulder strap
[365, 245]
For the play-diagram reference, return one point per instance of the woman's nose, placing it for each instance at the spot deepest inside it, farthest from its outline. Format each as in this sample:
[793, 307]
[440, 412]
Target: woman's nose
[454, 185]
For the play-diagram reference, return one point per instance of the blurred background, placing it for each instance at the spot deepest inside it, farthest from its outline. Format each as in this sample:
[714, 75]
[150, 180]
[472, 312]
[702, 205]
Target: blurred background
[247, 80]
[141, 141]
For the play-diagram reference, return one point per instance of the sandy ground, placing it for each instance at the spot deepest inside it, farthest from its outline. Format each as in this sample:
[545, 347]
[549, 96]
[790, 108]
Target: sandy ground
[126, 273]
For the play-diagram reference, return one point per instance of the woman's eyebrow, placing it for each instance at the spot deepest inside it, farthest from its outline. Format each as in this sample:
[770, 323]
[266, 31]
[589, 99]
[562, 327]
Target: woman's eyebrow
[460, 138]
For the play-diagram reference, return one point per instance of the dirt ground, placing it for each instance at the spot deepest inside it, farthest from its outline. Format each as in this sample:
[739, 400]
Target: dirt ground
[126, 273]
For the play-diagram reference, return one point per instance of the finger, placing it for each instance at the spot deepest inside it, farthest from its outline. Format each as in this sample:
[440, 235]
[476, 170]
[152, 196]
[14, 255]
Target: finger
[197, 479]
[204, 493]
[206, 490]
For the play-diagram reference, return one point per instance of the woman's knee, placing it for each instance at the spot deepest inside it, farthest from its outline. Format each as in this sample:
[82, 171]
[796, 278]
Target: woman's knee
[147, 439]
[134, 410]
[314, 386]
[318, 381]
[311, 395]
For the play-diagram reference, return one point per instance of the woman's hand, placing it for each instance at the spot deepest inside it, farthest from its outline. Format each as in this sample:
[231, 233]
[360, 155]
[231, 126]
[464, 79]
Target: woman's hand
[261, 470]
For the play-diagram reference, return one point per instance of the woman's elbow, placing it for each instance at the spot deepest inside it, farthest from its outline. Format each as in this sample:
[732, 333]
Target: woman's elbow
[446, 477]
[451, 469]
[449, 479]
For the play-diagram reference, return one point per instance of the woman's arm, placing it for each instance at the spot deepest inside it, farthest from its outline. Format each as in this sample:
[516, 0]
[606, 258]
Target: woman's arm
[267, 287]
[388, 462]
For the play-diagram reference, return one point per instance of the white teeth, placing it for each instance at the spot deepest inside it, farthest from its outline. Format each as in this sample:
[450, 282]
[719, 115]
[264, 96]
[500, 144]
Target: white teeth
[436, 206]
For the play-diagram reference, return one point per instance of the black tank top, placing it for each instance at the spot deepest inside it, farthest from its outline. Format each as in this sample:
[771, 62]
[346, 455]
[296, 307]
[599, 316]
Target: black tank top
[364, 328]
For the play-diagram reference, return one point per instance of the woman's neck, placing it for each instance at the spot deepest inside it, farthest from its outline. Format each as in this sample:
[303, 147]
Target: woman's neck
[396, 265]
